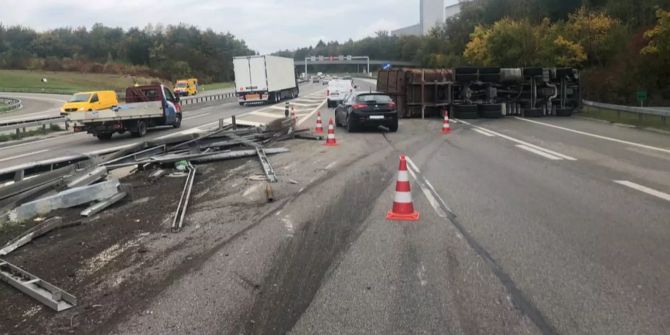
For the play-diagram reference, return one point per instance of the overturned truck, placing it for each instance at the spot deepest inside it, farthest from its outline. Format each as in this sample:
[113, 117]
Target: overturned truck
[488, 92]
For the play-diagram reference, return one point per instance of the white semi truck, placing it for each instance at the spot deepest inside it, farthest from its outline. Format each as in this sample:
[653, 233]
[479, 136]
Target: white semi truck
[260, 79]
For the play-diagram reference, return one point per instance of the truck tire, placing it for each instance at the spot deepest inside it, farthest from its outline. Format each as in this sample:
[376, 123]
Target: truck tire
[490, 111]
[104, 136]
[533, 112]
[465, 112]
[141, 129]
[177, 122]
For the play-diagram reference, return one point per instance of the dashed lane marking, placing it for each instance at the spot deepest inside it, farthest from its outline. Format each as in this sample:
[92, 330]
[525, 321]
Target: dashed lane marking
[639, 145]
[538, 152]
[485, 133]
[433, 198]
[518, 141]
[644, 189]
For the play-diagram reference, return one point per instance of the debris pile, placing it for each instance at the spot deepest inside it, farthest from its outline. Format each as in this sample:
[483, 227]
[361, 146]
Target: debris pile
[95, 184]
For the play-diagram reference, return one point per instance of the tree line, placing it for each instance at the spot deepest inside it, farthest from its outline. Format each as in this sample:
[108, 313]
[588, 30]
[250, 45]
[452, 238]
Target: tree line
[169, 52]
[621, 46]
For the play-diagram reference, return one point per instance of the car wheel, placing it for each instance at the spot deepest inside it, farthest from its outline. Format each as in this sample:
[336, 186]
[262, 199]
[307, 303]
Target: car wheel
[177, 122]
[394, 127]
[350, 125]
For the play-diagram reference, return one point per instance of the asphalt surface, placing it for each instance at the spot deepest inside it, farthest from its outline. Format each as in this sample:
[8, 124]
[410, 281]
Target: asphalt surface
[35, 106]
[541, 226]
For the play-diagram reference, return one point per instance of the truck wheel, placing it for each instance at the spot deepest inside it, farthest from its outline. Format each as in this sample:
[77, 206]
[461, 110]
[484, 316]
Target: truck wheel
[177, 122]
[465, 111]
[490, 111]
[141, 129]
[104, 136]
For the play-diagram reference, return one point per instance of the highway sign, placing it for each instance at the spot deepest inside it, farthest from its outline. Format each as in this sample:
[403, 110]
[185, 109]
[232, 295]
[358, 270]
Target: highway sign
[349, 57]
[313, 58]
[340, 57]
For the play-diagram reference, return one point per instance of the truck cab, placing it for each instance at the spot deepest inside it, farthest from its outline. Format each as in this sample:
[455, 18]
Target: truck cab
[186, 87]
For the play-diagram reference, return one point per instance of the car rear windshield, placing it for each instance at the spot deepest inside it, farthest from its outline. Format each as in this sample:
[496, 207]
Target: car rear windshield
[79, 98]
[374, 98]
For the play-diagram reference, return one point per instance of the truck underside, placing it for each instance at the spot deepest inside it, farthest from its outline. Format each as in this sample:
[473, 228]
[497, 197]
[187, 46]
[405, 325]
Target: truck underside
[482, 92]
[261, 97]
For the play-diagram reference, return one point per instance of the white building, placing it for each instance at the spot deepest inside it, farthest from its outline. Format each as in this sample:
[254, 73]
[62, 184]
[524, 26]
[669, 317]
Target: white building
[431, 14]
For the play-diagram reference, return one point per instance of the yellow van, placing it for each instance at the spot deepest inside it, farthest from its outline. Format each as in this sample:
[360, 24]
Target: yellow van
[90, 101]
[186, 87]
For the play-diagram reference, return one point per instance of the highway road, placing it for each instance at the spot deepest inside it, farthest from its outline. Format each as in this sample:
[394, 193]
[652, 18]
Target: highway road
[528, 226]
[35, 106]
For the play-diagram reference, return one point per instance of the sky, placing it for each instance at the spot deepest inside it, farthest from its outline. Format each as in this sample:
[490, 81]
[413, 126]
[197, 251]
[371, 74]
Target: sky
[266, 25]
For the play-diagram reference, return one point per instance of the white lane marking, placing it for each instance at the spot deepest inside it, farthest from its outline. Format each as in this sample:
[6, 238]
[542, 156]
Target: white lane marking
[412, 165]
[271, 115]
[538, 152]
[195, 116]
[644, 189]
[551, 152]
[431, 199]
[598, 136]
[485, 133]
[421, 273]
[306, 117]
[23, 155]
[413, 170]
[331, 165]
[289, 226]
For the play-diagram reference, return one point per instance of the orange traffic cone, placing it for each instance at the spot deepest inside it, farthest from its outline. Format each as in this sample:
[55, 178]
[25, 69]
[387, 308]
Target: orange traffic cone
[330, 140]
[403, 208]
[319, 124]
[446, 129]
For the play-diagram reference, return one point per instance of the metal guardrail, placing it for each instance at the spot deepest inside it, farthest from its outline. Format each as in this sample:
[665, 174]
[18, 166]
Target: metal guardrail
[8, 104]
[664, 113]
[11, 125]
[207, 98]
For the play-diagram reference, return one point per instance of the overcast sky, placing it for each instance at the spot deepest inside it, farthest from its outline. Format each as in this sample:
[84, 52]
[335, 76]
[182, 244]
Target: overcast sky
[266, 25]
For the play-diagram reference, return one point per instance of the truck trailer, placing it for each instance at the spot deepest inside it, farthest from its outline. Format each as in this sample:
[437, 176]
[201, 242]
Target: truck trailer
[487, 92]
[262, 79]
[145, 107]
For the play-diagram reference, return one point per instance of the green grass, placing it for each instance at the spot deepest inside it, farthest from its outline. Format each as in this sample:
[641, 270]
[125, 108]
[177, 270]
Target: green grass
[647, 121]
[64, 82]
[218, 86]
[34, 132]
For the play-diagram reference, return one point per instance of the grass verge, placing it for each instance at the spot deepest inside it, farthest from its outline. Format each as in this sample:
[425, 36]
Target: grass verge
[65, 82]
[643, 121]
[218, 86]
[34, 132]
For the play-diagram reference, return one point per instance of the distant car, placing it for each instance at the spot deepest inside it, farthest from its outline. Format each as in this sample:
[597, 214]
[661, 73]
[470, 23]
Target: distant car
[337, 89]
[315, 80]
[367, 109]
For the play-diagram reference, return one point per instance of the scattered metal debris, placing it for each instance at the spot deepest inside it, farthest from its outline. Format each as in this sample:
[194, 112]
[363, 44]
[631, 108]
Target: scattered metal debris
[35, 232]
[178, 221]
[98, 207]
[267, 167]
[40, 290]
[66, 199]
